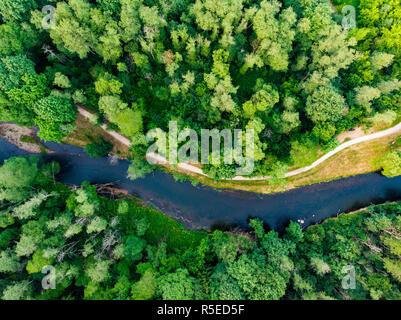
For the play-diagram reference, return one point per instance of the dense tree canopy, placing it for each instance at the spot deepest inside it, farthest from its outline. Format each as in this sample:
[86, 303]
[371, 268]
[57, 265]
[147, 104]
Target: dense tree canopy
[391, 164]
[284, 68]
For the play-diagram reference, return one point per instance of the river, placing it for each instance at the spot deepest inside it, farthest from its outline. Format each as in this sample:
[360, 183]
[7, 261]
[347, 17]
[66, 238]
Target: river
[204, 207]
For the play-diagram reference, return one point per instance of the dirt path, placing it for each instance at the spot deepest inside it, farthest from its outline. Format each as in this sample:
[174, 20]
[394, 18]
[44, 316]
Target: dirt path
[157, 159]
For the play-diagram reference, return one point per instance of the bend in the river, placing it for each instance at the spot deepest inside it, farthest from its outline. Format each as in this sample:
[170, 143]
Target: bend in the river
[203, 207]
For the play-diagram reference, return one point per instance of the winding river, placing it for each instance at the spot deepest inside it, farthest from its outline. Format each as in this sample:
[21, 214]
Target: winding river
[204, 207]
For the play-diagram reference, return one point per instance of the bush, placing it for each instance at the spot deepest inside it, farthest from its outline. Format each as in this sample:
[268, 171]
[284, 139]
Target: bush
[98, 149]
[391, 164]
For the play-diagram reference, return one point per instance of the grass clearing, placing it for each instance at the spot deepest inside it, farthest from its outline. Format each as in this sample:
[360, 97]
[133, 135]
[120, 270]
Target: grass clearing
[86, 133]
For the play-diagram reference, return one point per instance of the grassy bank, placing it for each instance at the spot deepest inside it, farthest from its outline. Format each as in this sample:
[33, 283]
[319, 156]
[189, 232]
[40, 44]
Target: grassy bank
[86, 133]
[358, 159]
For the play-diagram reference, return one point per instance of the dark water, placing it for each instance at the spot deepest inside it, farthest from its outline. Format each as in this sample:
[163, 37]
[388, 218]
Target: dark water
[202, 206]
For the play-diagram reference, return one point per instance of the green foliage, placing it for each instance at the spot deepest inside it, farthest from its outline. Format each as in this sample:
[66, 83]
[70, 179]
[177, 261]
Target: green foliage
[108, 85]
[145, 288]
[365, 96]
[304, 153]
[33, 88]
[55, 109]
[391, 164]
[179, 286]
[62, 80]
[16, 38]
[9, 262]
[12, 68]
[282, 68]
[52, 131]
[98, 271]
[133, 247]
[18, 175]
[324, 131]
[16, 10]
[325, 104]
[38, 262]
[128, 121]
[139, 168]
[277, 173]
[220, 172]
[17, 291]
[98, 149]
[54, 115]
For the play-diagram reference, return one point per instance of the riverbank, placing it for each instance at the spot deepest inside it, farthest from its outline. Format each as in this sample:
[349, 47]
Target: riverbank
[22, 137]
[355, 156]
[203, 207]
[86, 133]
[358, 159]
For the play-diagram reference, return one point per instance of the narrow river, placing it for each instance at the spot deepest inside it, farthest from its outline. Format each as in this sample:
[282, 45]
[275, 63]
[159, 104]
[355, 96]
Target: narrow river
[204, 207]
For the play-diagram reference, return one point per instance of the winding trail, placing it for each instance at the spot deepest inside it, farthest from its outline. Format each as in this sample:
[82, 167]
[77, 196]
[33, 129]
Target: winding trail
[157, 159]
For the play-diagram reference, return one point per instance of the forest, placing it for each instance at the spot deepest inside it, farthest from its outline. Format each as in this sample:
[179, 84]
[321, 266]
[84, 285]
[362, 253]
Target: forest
[104, 248]
[286, 69]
